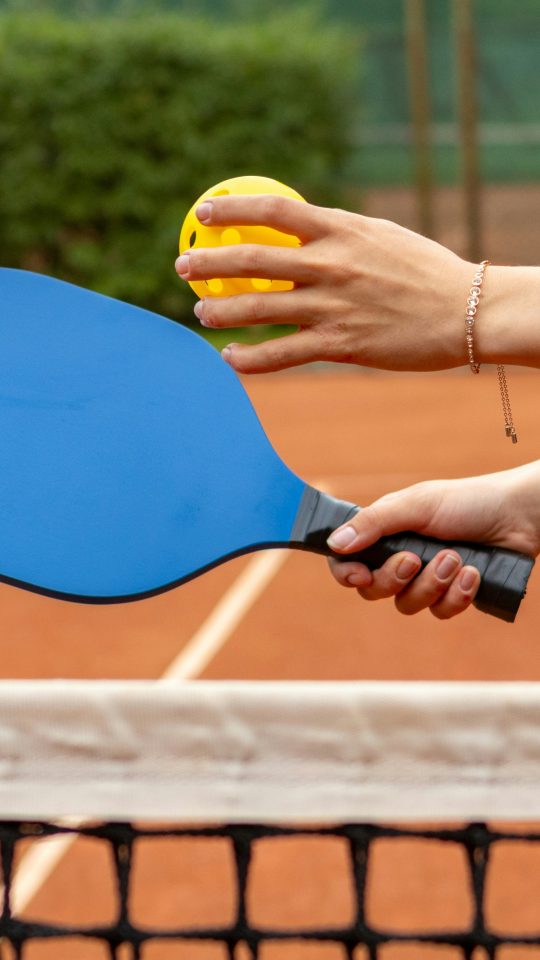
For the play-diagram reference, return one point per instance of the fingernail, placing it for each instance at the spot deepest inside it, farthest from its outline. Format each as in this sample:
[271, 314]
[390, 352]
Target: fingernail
[226, 353]
[182, 265]
[198, 310]
[204, 212]
[446, 566]
[342, 538]
[468, 579]
[407, 568]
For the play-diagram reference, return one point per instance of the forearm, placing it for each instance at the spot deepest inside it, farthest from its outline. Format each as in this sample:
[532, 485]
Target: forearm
[507, 329]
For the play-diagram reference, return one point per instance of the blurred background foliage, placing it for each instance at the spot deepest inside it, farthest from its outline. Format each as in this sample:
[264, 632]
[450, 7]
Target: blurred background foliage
[111, 127]
[115, 114]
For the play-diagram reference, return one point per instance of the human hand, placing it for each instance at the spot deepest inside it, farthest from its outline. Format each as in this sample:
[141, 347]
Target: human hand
[366, 291]
[502, 509]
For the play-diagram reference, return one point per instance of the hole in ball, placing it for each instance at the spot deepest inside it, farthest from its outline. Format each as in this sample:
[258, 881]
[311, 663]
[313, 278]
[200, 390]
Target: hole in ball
[230, 236]
[259, 284]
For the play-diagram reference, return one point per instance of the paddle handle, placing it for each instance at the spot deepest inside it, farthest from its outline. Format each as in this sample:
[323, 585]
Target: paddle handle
[504, 572]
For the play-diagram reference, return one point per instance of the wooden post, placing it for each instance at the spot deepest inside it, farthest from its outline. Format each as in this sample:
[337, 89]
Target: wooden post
[416, 42]
[465, 60]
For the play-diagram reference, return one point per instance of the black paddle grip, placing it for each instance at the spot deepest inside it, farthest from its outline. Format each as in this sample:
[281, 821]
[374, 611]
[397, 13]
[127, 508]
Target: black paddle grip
[504, 572]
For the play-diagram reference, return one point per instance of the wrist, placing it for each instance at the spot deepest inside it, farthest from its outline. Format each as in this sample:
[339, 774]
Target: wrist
[507, 328]
[524, 497]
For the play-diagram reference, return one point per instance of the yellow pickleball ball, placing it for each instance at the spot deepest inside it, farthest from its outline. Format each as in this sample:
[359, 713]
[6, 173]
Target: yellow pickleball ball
[194, 234]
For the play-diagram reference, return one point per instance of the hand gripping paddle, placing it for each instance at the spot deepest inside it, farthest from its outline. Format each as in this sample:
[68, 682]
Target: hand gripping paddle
[132, 459]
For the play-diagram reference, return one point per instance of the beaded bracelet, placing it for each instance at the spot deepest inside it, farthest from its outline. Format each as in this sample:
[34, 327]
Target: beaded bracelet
[472, 305]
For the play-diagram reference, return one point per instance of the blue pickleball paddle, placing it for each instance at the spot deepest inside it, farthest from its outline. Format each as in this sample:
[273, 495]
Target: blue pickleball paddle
[132, 459]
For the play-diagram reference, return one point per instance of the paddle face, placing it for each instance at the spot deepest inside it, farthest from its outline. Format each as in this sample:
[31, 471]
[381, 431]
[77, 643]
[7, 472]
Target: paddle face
[131, 457]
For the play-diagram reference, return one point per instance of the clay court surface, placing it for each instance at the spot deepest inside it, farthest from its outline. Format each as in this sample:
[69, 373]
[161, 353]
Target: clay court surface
[281, 616]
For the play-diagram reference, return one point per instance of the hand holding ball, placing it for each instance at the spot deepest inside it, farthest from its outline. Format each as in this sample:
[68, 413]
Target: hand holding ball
[194, 234]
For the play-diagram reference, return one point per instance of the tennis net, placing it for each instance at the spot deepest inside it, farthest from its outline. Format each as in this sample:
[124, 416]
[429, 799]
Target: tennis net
[367, 821]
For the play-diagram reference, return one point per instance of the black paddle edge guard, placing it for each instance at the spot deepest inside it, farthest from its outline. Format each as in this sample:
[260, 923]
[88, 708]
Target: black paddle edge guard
[504, 573]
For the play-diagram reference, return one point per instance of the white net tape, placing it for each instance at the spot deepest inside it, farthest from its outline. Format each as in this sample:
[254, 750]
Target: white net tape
[272, 751]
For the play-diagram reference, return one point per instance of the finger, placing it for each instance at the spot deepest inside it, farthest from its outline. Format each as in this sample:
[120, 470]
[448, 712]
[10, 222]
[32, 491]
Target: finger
[350, 574]
[409, 509]
[279, 353]
[427, 589]
[295, 217]
[247, 260]
[392, 577]
[459, 596]
[300, 307]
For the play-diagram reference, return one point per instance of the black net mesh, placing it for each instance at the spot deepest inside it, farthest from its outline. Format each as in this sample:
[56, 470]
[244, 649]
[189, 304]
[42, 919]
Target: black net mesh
[362, 936]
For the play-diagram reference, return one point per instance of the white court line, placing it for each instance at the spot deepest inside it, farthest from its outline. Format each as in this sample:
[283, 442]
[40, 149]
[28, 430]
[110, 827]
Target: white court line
[39, 862]
[225, 617]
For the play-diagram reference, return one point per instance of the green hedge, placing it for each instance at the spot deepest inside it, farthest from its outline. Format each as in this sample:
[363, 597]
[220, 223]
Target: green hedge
[110, 128]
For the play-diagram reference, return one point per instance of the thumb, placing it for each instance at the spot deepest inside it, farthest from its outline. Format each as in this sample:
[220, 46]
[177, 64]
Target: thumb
[409, 509]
